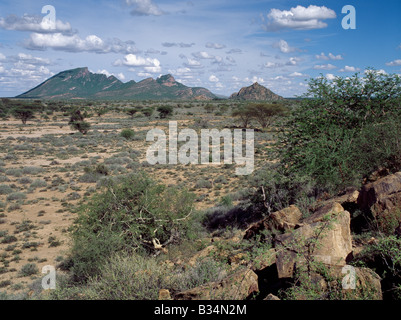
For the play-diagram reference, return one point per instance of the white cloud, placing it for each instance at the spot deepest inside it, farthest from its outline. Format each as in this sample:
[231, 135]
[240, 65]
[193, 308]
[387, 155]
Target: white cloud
[215, 45]
[213, 78]
[297, 74]
[394, 63]
[283, 46]
[299, 18]
[239, 51]
[324, 67]
[2, 56]
[143, 74]
[254, 79]
[121, 76]
[271, 65]
[149, 65]
[27, 58]
[203, 55]
[73, 43]
[144, 8]
[330, 76]
[293, 61]
[349, 69]
[331, 56]
[105, 72]
[192, 63]
[34, 24]
[132, 60]
[174, 44]
[381, 71]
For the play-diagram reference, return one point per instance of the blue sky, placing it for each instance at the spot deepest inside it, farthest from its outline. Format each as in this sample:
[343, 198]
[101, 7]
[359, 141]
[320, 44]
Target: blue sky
[221, 45]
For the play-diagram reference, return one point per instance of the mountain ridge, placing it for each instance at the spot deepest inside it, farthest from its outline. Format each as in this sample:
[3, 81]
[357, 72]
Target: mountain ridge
[80, 83]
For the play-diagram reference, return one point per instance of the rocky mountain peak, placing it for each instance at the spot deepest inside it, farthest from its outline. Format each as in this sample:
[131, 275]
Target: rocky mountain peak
[256, 92]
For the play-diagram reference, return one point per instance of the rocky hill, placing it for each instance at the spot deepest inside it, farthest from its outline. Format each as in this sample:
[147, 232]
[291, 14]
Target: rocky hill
[256, 92]
[80, 83]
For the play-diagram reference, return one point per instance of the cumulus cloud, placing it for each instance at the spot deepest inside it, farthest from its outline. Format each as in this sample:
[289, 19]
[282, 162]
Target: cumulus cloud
[394, 63]
[144, 8]
[324, 67]
[330, 76]
[120, 76]
[298, 18]
[174, 44]
[331, 56]
[74, 43]
[349, 69]
[215, 45]
[381, 71]
[149, 65]
[254, 79]
[213, 78]
[284, 46]
[193, 63]
[297, 74]
[293, 61]
[239, 51]
[203, 55]
[28, 59]
[272, 65]
[34, 24]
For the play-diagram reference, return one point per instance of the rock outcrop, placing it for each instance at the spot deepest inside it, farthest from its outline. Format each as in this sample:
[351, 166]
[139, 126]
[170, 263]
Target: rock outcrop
[381, 195]
[256, 92]
[238, 286]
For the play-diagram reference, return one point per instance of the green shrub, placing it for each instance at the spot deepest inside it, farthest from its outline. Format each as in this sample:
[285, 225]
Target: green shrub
[384, 257]
[28, 270]
[165, 111]
[38, 183]
[344, 130]
[32, 170]
[9, 239]
[5, 189]
[16, 196]
[127, 134]
[130, 215]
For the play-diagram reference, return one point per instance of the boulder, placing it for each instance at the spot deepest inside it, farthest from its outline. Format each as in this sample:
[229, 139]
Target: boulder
[381, 195]
[264, 260]
[366, 286]
[338, 283]
[164, 294]
[283, 220]
[271, 296]
[324, 236]
[204, 253]
[237, 286]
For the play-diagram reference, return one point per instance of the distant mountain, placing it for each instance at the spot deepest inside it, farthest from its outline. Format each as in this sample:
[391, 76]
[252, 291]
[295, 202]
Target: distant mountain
[256, 92]
[80, 83]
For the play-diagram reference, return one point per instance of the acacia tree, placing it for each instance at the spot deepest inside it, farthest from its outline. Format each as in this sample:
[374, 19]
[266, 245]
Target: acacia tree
[243, 115]
[77, 121]
[165, 111]
[132, 112]
[344, 129]
[265, 113]
[23, 113]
